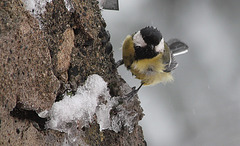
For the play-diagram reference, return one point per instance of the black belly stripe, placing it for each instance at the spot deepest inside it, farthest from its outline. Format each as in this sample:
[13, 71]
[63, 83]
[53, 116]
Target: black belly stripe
[144, 52]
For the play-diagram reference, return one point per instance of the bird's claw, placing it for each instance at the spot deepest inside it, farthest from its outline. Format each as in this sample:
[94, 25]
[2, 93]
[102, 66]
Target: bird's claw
[131, 94]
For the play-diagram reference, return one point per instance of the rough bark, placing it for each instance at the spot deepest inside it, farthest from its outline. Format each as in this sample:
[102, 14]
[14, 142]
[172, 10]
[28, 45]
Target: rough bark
[37, 65]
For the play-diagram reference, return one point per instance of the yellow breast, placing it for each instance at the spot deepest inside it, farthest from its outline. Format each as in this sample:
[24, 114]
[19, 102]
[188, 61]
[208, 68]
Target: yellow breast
[150, 71]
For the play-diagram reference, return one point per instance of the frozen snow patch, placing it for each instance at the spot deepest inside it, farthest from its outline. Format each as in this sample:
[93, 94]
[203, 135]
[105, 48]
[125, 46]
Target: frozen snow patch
[36, 8]
[69, 5]
[92, 102]
[80, 107]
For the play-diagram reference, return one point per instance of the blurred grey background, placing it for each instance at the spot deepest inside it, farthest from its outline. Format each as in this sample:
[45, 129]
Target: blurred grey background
[202, 106]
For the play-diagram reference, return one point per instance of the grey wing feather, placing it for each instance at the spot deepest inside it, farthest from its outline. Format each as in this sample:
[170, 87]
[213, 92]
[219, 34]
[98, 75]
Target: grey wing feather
[177, 47]
[172, 65]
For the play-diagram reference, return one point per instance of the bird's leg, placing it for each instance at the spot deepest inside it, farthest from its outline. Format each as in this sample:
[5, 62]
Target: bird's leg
[119, 63]
[133, 92]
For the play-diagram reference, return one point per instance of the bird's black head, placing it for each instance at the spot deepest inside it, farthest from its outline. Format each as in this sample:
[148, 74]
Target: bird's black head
[151, 35]
[148, 43]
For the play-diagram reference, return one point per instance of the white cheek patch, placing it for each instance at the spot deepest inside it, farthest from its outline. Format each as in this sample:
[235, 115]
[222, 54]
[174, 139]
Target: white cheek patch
[138, 40]
[160, 46]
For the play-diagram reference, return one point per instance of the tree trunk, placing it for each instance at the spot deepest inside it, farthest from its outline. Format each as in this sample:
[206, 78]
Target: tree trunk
[45, 52]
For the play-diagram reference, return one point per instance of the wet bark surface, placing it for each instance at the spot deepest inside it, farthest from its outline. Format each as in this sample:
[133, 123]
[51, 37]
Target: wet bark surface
[43, 57]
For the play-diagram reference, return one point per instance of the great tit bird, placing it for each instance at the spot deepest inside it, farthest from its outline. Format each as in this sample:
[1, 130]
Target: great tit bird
[149, 57]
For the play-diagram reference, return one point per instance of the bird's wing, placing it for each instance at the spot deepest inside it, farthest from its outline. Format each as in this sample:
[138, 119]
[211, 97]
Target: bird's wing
[177, 47]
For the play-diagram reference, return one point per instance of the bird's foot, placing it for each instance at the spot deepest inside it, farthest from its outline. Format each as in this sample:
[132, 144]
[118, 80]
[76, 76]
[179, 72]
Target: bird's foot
[119, 63]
